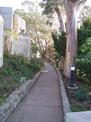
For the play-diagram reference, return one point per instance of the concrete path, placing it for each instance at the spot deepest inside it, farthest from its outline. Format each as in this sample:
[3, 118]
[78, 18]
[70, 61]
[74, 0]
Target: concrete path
[43, 102]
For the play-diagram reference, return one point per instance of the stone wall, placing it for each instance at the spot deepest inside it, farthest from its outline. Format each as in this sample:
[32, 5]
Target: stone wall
[14, 98]
[21, 46]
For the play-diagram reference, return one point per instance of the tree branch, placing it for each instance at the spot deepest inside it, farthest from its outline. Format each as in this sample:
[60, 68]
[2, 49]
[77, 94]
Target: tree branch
[58, 12]
[80, 2]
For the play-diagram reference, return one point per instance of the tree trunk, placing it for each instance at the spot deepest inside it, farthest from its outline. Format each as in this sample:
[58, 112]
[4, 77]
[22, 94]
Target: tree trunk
[59, 14]
[71, 44]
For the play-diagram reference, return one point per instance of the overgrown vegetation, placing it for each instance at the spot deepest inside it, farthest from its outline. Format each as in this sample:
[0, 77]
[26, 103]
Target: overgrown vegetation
[81, 94]
[35, 49]
[80, 99]
[14, 71]
[84, 70]
[84, 32]
[84, 52]
[59, 43]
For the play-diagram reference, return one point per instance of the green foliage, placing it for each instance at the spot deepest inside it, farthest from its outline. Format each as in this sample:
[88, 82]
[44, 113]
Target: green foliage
[84, 32]
[57, 56]
[2, 98]
[75, 108]
[59, 43]
[85, 49]
[87, 24]
[35, 49]
[38, 28]
[14, 71]
[48, 9]
[84, 69]
[49, 6]
[84, 52]
[36, 64]
[34, 21]
[81, 94]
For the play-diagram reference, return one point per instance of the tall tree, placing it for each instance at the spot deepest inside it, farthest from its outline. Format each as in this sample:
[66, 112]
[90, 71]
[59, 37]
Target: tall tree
[40, 32]
[54, 6]
[71, 8]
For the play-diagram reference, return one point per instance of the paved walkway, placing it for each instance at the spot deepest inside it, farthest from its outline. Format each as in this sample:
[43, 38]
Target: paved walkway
[42, 103]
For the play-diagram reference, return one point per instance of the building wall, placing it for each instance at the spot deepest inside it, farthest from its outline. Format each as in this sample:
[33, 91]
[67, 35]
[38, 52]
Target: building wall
[11, 20]
[7, 14]
[22, 46]
[1, 40]
[18, 23]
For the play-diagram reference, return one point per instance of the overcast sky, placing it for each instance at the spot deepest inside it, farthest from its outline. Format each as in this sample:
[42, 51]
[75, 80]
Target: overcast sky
[17, 3]
[13, 3]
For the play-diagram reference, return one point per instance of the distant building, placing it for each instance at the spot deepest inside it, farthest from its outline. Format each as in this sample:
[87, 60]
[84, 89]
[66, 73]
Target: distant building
[7, 14]
[12, 21]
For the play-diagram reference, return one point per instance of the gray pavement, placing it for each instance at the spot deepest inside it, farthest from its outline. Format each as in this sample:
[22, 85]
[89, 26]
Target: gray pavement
[84, 116]
[43, 102]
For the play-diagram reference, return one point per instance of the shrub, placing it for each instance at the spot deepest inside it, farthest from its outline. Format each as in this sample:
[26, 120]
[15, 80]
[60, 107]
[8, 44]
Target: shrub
[85, 49]
[81, 94]
[84, 69]
[84, 53]
[59, 43]
[14, 71]
[36, 64]
[84, 32]
[87, 23]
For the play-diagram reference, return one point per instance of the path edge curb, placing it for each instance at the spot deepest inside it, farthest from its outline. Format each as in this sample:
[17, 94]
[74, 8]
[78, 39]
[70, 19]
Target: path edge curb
[15, 97]
[65, 102]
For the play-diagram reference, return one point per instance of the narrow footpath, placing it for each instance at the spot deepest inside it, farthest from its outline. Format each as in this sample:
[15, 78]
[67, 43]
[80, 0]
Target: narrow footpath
[43, 102]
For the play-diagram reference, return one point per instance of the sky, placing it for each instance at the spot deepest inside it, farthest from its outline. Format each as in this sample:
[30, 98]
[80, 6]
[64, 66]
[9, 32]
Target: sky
[88, 2]
[17, 3]
[13, 3]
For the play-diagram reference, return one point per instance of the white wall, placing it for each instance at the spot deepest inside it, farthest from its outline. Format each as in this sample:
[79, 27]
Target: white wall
[1, 40]
[22, 46]
[18, 23]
